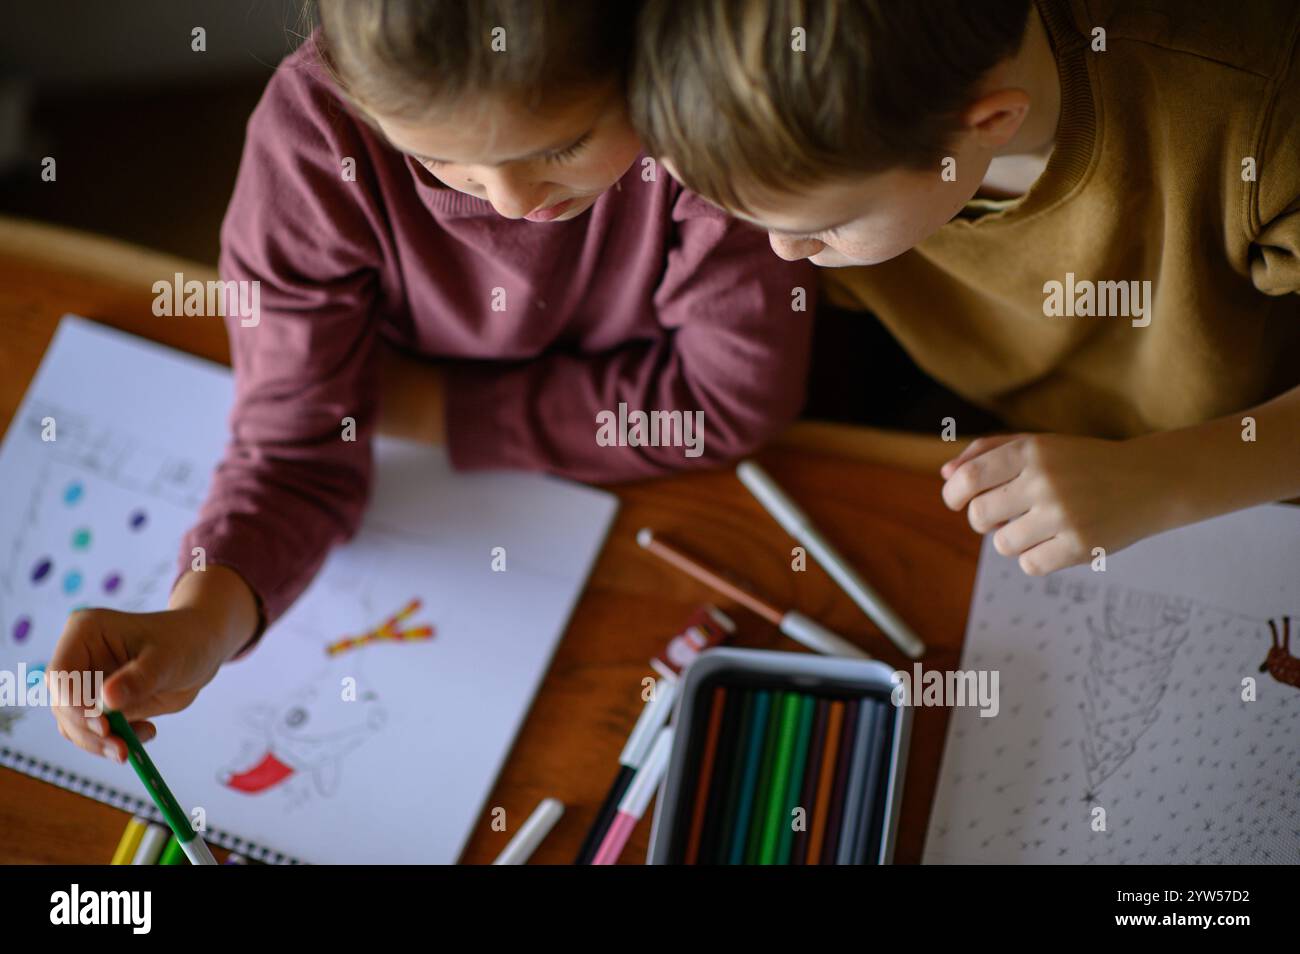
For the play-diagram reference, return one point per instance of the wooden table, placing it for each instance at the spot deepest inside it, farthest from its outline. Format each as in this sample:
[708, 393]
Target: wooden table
[875, 494]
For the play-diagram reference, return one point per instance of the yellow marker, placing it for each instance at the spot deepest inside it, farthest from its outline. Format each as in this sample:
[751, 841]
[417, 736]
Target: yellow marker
[126, 848]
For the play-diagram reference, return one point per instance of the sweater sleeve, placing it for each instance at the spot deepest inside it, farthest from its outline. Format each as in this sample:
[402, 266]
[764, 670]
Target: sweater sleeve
[295, 476]
[1275, 250]
[729, 344]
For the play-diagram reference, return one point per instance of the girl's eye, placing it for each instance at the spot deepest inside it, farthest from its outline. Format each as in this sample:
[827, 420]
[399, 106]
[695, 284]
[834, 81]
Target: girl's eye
[567, 153]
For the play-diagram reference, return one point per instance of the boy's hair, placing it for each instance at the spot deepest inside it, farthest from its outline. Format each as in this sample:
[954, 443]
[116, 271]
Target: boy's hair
[720, 88]
[410, 58]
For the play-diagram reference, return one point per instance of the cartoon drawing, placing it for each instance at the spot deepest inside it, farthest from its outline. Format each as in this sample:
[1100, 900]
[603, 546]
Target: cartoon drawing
[387, 631]
[1279, 663]
[1128, 672]
[306, 738]
[300, 746]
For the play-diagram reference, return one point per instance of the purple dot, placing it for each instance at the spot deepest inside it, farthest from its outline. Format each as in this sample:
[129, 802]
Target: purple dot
[42, 569]
[112, 582]
[22, 628]
[138, 519]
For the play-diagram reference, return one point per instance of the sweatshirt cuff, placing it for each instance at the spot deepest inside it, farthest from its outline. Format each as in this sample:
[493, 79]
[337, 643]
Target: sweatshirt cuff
[485, 423]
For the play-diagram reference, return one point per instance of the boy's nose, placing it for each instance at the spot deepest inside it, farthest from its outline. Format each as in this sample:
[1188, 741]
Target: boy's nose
[792, 249]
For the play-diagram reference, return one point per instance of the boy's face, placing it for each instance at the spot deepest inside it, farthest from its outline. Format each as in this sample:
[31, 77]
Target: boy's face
[863, 221]
[548, 167]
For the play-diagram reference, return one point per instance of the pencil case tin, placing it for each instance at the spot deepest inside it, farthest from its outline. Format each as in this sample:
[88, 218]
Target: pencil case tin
[753, 669]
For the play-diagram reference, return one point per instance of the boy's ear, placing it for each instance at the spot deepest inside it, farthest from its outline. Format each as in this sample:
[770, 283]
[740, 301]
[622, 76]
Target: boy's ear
[995, 118]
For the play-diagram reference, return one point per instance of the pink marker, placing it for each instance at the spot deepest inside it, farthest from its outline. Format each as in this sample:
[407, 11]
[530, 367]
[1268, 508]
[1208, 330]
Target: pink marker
[632, 807]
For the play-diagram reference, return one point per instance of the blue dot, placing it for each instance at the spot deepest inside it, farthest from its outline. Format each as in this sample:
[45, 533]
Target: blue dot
[34, 674]
[72, 581]
[73, 493]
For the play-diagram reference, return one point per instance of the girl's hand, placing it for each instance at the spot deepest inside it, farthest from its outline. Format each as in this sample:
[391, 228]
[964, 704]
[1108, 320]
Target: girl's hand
[1052, 499]
[153, 663]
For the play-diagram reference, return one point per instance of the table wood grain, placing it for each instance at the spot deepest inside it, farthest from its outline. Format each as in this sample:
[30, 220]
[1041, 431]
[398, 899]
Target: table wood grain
[887, 520]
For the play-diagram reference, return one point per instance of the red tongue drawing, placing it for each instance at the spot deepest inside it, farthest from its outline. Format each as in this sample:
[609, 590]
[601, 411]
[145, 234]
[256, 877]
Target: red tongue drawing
[267, 773]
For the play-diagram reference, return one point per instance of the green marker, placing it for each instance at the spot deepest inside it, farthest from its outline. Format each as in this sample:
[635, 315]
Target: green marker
[194, 847]
[173, 854]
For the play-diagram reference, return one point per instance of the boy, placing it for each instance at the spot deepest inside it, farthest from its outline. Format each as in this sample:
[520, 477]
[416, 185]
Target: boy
[1133, 289]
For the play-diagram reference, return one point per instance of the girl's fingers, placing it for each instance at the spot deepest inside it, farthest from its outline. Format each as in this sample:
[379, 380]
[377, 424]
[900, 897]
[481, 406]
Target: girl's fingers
[1024, 533]
[1049, 556]
[990, 469]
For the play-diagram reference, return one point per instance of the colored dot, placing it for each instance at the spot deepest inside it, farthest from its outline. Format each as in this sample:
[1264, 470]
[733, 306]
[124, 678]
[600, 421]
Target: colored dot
[112, 582]
[73, 493]
[22, 628]
[72, 581]
[81, 539]
[34, 674]
[138, 519]
[42, 569]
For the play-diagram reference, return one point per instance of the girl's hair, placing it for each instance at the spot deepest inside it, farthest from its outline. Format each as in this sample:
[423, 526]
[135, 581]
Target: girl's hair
[411, 59]
[768, 97]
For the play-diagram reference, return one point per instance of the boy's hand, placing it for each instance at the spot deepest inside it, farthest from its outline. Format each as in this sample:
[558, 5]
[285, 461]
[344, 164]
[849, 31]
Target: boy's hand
[153, 663]
[1053, 498]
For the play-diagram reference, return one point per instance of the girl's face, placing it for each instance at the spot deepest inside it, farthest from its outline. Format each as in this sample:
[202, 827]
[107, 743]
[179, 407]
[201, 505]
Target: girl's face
[547, 167]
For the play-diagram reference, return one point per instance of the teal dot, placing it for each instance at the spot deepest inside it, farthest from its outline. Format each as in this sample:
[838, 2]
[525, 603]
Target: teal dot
[72, 581]
[81, 539]
[73, 493]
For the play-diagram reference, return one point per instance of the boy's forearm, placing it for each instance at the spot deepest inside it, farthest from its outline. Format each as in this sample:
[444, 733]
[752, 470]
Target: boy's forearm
[1226, 465]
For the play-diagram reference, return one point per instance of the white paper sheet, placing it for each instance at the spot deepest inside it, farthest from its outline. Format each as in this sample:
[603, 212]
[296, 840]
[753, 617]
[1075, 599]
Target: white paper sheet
[271, 750]
[1123, 691]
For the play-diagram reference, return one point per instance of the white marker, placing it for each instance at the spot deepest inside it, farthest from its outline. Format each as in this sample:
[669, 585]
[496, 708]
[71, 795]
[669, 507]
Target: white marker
[796, 523]
[533, 832]
[151, 845]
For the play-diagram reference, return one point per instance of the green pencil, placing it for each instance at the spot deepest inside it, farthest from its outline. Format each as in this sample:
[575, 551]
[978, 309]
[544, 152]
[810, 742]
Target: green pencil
[194, 847]
[764, 792]
[773, 823]
[795, 786]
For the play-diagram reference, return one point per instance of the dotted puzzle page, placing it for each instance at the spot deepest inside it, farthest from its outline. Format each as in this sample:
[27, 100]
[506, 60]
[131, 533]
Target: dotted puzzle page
[372, 720]
[1146, 713]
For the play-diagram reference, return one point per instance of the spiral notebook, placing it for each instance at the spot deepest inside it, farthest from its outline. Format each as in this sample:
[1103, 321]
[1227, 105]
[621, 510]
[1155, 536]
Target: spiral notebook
[373, 718]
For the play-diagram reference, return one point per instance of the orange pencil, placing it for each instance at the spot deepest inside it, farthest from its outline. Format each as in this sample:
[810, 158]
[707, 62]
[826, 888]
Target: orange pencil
[706, 775]
[825, 784]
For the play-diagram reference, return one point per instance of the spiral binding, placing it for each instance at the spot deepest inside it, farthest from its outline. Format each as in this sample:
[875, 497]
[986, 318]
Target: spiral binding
[46, 772]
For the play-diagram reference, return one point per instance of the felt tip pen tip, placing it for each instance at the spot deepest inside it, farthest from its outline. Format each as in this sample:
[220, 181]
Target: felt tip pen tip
[644, 537]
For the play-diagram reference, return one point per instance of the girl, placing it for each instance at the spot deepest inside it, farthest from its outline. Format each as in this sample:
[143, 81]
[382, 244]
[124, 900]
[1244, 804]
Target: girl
[456, 180]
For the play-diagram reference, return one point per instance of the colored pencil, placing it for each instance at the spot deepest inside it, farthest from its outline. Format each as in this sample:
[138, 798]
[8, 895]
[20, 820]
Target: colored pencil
[720, 840]
[855, 798]
[812, 772]
[867, 851]
[749, 776]
[707, 760]
[794, 787]
[758, 820]
[826, 782]
[728, 745]
[130, 841]
[775, 819]
[194, 846]
[800, 628]
[843, 761]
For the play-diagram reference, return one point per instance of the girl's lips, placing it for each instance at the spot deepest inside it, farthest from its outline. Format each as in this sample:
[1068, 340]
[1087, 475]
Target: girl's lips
[550, 213]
